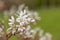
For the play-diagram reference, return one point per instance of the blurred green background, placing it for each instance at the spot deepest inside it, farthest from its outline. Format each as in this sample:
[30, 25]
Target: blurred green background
[35, 3]
[48, 10]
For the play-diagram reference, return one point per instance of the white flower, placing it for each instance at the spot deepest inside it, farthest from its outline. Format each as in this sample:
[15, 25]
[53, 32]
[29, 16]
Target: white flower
[29, 33]
[48, 36]
[35, 31]
[21, 13]
[10, 24]
[18, 19]
[41, 33]
[9, 28]
[11, 21]
[12, 17]
[43, 38]
[29, 19]
[36, 16]
[23, 24]
[20, 29]
[13, 31]
[25, 11]
[25, 16]
[33, 20]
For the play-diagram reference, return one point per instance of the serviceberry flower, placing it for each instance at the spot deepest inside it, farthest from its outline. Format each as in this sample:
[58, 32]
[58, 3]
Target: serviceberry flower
[11, 21]
[24, 18]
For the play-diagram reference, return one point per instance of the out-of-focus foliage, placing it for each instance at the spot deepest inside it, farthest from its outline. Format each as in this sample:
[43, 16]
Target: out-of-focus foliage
[30, 3]
[34, 3]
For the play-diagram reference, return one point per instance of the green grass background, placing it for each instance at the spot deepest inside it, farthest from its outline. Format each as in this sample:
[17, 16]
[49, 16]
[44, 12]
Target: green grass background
[50, 22]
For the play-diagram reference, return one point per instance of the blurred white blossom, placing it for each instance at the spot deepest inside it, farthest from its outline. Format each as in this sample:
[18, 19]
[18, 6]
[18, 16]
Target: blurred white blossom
[24, 18]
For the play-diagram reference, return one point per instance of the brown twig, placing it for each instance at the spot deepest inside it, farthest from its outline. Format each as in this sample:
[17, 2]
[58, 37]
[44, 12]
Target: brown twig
[9, 35]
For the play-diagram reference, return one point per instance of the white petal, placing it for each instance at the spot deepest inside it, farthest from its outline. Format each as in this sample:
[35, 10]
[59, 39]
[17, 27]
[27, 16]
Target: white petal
[13, 31]
[18, 19]
[12, 17]
[10, 23]
[25, 11]
[33, 21]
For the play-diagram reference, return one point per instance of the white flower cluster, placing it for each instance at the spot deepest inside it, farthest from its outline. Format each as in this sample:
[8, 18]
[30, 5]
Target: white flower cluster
[24, 18]
[47, 36]
[12, 25]
[11, 21]
[41, 34]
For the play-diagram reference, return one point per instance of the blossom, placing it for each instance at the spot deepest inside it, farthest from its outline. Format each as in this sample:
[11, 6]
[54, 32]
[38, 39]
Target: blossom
[48, 36]
[24, 18]
[11, 21]
[41, 33]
